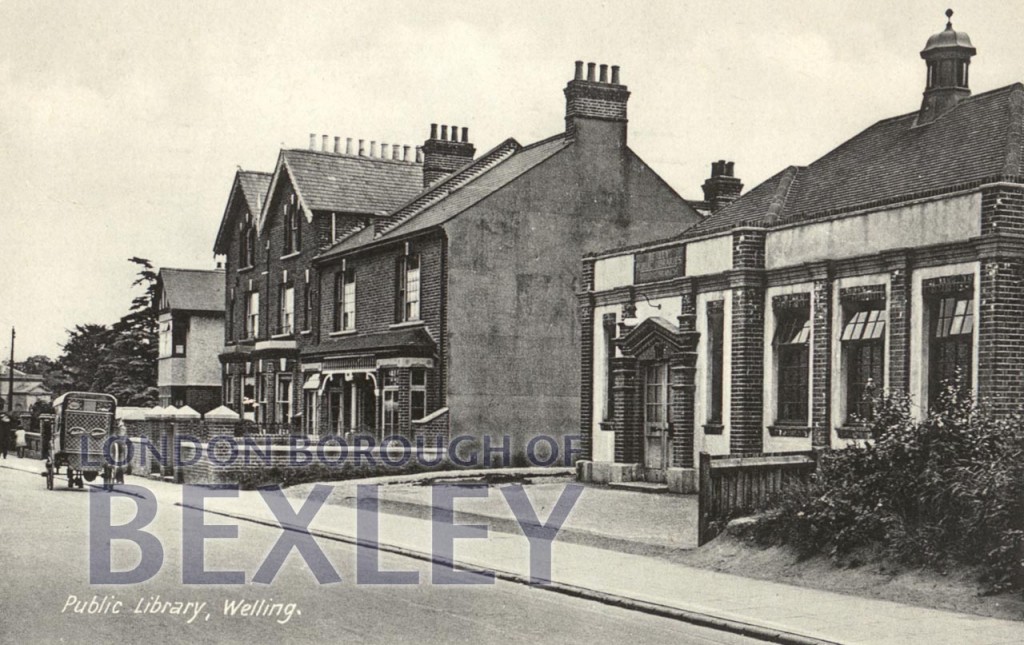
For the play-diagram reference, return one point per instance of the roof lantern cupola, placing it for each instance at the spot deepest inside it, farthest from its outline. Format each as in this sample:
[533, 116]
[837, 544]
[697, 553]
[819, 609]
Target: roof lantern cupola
[947, 56]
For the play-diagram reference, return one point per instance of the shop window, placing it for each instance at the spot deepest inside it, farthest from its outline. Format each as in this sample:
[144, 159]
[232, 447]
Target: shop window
[951, 348]
[863, 346]
[418, 393]
[792, 353]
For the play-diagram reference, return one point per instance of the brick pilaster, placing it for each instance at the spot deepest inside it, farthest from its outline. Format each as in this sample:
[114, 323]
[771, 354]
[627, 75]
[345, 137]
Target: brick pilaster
[629, 431]
[586, 304]
[682, 378]
[821, 364]
[899, 308]
[746, 432]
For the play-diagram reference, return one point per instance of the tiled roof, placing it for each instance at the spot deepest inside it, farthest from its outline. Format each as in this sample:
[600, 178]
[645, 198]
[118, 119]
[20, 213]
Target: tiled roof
[252, 186]
[193, 289]
[979, 140]
[466, 187]
[349, 183]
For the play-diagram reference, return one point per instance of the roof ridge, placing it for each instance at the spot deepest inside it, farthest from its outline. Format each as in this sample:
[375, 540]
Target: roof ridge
[344, 155]
[442, 189]
[254, 172]
[188, 269]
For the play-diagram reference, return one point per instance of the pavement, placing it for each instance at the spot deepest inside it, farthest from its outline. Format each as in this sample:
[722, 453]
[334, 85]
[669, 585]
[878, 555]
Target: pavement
[766, 610]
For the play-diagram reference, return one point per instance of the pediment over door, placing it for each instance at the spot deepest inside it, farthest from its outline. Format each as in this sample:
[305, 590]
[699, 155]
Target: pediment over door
[653, 339]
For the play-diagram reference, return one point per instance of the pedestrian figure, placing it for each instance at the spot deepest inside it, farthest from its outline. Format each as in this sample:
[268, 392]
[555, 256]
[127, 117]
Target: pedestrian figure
[19, 442]
[5, 434]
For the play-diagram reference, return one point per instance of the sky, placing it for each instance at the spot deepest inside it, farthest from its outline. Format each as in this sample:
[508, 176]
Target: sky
[122, 123]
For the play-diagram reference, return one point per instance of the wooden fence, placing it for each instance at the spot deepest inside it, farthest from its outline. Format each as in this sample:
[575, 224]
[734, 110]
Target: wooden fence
[733, 486]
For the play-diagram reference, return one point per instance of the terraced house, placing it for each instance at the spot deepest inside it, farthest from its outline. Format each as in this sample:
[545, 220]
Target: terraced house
[894, 262]
[438, 296]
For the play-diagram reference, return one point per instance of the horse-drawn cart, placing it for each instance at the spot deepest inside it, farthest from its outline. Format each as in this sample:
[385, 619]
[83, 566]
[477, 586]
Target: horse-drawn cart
[79, 440]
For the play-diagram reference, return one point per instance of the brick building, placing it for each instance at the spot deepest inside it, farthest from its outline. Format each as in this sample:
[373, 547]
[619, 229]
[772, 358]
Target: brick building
[441, 289]
[190, 315]
[893, 262]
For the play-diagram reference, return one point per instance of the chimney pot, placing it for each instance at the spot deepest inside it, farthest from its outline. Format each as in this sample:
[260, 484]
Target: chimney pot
[323, 143]
[590, 71]
[433, 130]
[383, 151]
[604, 73]
[405, 153]
[465, 135]
[579, 71]
[337, 145]
[348, 145]
[373, 148]
[419, 154]
[362, 147]
[444, 132]
[396, 153]
[615, 74]
[455, 133]
[312, 141]
[729, 168]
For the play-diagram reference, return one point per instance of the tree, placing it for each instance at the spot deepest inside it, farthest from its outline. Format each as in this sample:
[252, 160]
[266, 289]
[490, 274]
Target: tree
[119, 359]
[134, 346]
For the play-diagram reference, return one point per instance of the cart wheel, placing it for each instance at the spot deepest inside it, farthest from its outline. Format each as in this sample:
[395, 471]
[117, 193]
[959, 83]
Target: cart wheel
[49, 477]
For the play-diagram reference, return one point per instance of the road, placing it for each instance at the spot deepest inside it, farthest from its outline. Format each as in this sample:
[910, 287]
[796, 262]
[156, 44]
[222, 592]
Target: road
[45, 559]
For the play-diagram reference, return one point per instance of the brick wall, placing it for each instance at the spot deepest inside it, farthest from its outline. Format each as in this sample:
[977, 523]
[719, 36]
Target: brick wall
[629, 431]
[899, 313]
[746, 432]
[586, 361]
[821, 367]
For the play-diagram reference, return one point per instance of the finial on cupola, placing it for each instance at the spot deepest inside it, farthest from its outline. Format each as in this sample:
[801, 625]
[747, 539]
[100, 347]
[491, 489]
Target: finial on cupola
[949, 18]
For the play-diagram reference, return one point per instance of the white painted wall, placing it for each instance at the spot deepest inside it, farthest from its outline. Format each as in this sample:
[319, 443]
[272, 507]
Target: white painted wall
[946, 220]
[713, 255]
[613, 272]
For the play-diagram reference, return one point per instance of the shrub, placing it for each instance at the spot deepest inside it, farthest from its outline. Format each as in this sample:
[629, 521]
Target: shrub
[945, 491]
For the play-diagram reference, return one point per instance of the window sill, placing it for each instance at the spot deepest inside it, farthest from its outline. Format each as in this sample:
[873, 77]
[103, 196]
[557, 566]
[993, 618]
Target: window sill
[407, 323]
[288, 256]
[280, 336]
[854, 432]
[789, 430]
[344, 332]
[607, 426]
[306, 332]
[714, 428]
[245, 269]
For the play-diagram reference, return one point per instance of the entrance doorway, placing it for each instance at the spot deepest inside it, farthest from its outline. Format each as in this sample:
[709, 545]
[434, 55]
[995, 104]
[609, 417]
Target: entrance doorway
[656, 420]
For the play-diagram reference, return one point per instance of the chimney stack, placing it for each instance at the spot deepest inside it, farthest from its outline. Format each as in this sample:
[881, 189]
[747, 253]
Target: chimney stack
[722, 187]
[337, 145]
[445, 154]
[348, 145]
[323, 143]
[595, 109]
[362, 147]
[312, 141]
